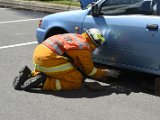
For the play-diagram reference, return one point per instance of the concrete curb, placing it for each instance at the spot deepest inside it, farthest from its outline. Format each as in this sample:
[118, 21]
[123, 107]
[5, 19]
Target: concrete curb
[36, 6]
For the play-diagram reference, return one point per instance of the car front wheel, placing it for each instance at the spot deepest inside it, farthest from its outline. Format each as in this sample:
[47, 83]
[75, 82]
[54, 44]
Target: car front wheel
[157, 86]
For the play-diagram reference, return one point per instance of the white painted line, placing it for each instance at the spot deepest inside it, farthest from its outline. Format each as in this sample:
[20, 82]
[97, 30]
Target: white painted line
[19, 21]
[2, 8]
[18, 45]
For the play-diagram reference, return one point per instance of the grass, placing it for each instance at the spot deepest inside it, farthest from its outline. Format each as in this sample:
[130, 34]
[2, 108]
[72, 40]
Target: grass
[62, 2]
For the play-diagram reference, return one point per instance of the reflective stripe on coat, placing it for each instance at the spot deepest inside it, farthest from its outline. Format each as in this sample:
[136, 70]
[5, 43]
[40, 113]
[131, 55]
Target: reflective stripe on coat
[63, 42]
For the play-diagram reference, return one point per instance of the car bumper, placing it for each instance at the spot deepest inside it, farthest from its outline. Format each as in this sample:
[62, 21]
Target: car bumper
[40, 35]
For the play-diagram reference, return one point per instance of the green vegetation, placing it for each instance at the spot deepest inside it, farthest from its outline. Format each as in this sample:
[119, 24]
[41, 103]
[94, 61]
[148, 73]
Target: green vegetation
[62, 2]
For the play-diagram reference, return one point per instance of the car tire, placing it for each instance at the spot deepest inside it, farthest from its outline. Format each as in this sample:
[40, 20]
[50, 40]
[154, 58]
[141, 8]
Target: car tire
[157, 86]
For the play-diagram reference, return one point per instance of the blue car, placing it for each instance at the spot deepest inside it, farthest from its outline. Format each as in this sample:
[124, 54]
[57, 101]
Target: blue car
[131, 29]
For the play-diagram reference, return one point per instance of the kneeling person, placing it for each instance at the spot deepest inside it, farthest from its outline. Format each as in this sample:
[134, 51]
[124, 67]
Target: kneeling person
[59, 60]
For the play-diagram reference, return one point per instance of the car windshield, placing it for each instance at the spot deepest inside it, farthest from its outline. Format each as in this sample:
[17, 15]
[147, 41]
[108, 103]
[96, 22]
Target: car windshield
[120, 7]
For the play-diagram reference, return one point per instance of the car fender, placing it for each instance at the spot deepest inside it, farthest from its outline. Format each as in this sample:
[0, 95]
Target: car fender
[65, 20]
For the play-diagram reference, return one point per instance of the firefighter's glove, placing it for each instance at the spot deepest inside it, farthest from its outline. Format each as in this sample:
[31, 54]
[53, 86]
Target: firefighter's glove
[111, 73]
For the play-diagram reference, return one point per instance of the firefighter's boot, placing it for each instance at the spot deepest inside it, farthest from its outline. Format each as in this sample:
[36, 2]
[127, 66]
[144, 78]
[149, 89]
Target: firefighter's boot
[34, 82]
[24, 74]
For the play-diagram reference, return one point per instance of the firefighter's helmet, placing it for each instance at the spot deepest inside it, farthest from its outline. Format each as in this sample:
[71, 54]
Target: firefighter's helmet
[96, 36]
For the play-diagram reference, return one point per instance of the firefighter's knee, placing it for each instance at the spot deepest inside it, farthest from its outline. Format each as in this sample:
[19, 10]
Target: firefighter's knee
[71, 85]
[77, 85]
[49, 84]
[56, 85]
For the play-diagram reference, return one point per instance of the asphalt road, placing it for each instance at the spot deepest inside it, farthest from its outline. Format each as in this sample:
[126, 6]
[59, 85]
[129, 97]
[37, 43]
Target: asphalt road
[17, 31]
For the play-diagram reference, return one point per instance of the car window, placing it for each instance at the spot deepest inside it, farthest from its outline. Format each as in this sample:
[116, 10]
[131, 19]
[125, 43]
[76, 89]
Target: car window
[121, 7]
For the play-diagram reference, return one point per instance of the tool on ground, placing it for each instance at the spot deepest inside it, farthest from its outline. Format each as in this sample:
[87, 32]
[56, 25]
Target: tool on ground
[94, 86]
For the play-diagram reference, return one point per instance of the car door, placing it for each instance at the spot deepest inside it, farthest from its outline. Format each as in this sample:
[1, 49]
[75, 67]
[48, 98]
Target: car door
[132, 34]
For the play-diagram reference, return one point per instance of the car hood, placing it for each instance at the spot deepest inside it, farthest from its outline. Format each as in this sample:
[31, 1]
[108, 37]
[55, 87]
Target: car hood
[71, 14]
[74, 17]
[85, 3]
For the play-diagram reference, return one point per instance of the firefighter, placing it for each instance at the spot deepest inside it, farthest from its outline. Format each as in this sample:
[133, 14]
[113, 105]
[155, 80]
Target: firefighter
[61, 60]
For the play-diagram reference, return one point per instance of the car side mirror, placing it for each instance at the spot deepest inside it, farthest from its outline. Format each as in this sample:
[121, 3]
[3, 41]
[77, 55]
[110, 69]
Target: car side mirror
[94, 9]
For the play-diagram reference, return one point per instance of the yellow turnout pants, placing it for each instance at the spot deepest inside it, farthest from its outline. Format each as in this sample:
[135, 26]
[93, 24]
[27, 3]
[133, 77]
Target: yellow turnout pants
[61, 75]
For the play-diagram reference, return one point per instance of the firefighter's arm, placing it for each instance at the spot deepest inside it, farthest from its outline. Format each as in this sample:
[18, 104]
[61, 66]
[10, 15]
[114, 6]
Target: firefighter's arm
[83, 60]
[87, 64]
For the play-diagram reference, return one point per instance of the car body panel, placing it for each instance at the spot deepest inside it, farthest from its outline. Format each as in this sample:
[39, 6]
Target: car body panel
[59, 20]
[126, 43]
[132, 40]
